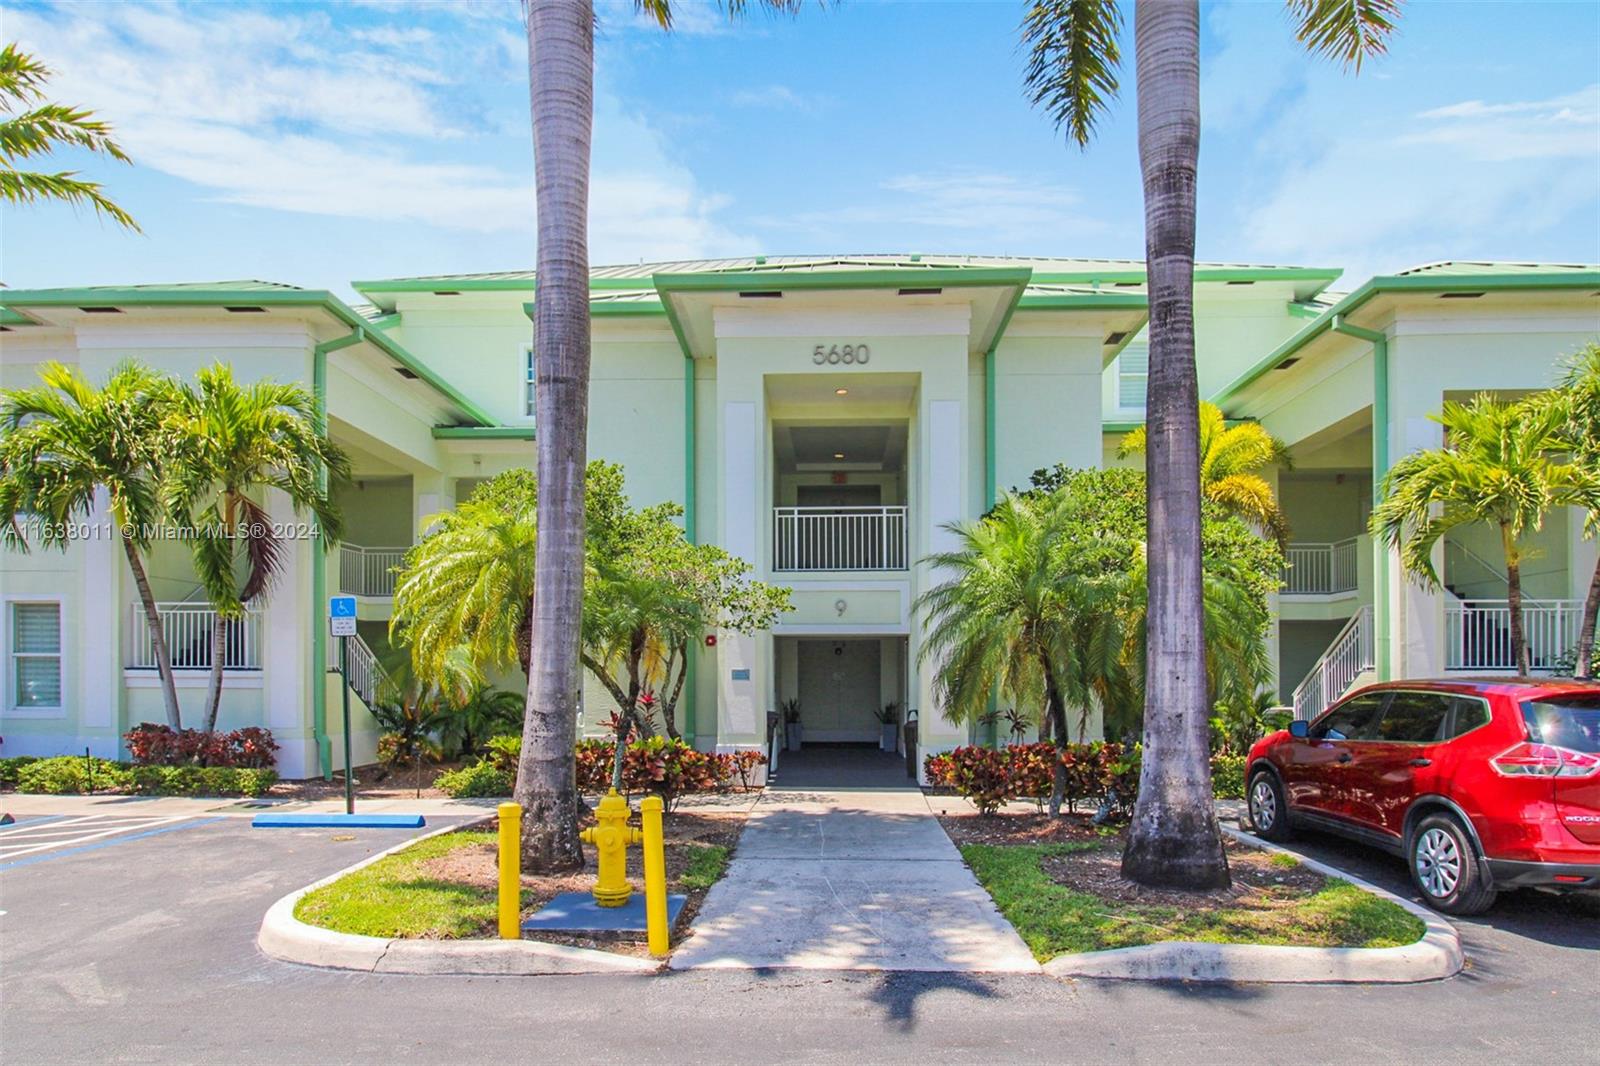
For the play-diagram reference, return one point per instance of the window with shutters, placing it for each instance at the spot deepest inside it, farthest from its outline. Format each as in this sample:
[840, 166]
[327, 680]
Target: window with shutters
[35, 647]
[1133, 372]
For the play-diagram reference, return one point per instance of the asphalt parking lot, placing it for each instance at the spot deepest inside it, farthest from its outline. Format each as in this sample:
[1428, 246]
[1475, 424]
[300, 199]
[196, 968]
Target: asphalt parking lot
[143, 950]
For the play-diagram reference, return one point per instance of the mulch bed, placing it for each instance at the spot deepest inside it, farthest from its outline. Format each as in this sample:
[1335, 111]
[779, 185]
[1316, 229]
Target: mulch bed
[476, 865]
[372, 782]
[1020, 828]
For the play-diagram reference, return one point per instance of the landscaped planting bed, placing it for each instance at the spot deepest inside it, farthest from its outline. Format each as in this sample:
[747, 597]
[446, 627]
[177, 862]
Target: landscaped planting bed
[444, 887]
[1059, 882]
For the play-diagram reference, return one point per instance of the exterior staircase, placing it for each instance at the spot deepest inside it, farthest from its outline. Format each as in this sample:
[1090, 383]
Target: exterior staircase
[1349, 659]
[367, 675]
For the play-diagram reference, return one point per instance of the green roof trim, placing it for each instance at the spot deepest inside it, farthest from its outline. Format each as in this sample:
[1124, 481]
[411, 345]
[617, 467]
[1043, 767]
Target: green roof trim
[1422, 280]
[213, 295]
[1084, 301]
[1121, 425]
[483, 432]
[1201, 274]
[824, 280]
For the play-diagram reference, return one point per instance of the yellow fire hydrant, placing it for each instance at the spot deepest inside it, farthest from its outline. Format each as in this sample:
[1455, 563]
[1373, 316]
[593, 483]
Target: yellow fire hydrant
[611, 838]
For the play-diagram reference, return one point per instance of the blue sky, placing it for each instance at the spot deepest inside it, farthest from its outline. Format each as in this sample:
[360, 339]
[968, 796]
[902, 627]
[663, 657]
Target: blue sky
[315, 144]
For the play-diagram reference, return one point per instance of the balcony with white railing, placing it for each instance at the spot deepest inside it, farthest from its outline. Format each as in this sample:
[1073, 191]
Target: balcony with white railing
[1322, 569]
[188, 629]
[368, 571]
[1477, 634]
[839, 539]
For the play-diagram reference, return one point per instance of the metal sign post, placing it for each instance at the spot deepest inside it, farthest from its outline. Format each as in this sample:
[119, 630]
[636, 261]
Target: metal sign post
[342, 624]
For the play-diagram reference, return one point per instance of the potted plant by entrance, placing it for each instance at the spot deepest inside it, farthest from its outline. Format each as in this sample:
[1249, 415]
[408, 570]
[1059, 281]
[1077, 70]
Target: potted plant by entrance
[889, 719]
[794, 732]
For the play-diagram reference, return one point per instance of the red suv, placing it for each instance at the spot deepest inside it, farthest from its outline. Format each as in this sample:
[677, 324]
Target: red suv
[1481, 785]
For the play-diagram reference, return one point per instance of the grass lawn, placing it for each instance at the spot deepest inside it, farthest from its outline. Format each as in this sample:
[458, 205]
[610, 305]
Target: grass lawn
[1067, 897]
[444, 887]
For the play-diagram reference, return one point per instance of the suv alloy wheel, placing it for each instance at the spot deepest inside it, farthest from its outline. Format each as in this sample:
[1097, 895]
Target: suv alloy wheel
[1445, 868]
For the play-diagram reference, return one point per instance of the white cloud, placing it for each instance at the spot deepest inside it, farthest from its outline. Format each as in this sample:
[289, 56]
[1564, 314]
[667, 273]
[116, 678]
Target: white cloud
[1004, 209]
[776, 98]
[1464, 180]
[280, 109]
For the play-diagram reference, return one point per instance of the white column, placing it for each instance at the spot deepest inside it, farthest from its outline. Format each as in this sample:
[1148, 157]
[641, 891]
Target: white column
[1417, 614]
[943, 458]
[287, 670]
[743, 662]
[98, 679]
[431, 494]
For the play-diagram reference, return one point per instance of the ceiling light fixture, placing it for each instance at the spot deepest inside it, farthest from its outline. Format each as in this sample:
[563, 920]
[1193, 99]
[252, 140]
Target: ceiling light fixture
[841, 392]
[838, 455]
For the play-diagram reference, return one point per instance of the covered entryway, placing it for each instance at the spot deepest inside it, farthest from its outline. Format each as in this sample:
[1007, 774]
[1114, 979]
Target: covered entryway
[844, 687]
[839, 684]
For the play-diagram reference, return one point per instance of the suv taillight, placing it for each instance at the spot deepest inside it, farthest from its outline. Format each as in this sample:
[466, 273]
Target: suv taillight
[1545, 760]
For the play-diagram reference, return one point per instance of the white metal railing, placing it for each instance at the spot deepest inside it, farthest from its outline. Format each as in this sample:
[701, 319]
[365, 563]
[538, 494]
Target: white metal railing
[1477, 633]
[839, 538]
[1347, 658]
[1321, 569]
[366, 675]
[367, 571]
[187, 627]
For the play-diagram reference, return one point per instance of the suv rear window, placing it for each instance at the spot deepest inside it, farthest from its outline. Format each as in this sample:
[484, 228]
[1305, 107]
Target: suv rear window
[1571, 722]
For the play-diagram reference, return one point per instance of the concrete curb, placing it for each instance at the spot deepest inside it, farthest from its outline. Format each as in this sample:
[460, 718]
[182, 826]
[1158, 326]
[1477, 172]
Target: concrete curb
[1436, 956]
[286, 938]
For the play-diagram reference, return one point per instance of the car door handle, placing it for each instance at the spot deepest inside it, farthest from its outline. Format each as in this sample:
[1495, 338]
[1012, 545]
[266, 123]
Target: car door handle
[1345, 756]
[1421, 762]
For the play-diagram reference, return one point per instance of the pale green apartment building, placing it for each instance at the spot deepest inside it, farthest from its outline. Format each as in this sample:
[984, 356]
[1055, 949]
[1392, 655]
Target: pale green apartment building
[825, 418]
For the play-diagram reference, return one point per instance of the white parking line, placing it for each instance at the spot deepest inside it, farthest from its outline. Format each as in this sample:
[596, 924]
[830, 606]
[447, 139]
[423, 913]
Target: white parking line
[81, 830]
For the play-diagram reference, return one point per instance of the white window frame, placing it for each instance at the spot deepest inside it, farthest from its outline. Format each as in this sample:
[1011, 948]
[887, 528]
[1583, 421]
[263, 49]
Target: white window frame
[7, 608]
[530, 378]
[1121, 374]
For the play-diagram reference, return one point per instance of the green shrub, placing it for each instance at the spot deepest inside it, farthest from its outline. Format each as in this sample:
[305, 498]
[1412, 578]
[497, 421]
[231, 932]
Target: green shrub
[479, 779]
[1227, 776]
[504, 752]
[69, 775]
[10, 768]
[201, 780]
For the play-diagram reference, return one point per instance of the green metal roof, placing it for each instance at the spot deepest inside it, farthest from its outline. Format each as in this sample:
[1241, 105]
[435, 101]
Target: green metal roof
[1431, 278]
[245, 293]
[1475, 268]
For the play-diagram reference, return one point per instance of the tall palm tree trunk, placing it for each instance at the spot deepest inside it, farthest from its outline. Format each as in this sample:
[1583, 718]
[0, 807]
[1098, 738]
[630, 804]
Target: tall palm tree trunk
[158, 635]
[1173, 839]
[1519, 637]
[561, 91]
[1591, 608]
[219, 658]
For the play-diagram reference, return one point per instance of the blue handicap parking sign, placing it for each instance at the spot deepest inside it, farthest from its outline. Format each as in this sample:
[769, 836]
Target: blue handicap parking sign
[342, 606]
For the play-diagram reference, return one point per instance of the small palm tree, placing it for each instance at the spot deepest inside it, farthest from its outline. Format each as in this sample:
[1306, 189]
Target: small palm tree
[1009, 618]
[1498, 465]
[1074, 52]
[33, 127]
[1577, 401]
[228, 443]
[64, 443]
[1231, 461]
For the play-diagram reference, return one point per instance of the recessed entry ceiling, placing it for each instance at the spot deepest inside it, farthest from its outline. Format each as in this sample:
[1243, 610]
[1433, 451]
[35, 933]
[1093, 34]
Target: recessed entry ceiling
[799, 448]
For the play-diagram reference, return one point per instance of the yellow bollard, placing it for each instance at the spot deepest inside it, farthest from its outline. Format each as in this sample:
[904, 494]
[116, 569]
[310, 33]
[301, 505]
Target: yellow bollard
[655, 876]
[510, 871]
[611, 838]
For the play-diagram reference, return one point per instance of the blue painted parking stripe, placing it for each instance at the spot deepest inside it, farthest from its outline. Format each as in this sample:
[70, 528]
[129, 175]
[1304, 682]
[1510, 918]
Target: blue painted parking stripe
[339, 821]
[48, 855]
[28, 822]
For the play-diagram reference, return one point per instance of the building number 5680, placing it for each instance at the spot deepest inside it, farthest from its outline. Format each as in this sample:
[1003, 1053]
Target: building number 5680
[840, 353]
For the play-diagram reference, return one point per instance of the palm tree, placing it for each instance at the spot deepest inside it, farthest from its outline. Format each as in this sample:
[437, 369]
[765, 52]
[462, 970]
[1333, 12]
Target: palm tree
[1578, 397]
[1072, 72]
[229, 442]
[1498, 466]
[1010, 618]
[561, 97]
[1231, 458]
[64, 442]
[34, 127]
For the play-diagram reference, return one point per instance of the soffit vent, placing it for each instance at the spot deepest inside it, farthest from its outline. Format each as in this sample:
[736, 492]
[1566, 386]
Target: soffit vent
[1114, 339]
[1287, 363]
[245, 310]
[1459, 295]
[406, 372]
[101, 310]
[446, 292]
[920, 292]
[761, 294]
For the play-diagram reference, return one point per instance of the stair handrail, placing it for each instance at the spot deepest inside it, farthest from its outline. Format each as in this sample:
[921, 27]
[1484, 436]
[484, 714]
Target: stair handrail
[1356, 633]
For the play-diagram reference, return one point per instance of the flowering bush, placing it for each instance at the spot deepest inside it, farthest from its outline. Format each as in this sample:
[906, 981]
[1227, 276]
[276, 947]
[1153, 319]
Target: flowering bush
[989, 777]
[669, 768]
[745, 763]
[150, 744]
[594, 765]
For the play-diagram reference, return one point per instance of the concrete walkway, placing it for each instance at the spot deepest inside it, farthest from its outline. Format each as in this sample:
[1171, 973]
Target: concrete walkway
[850, 881]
